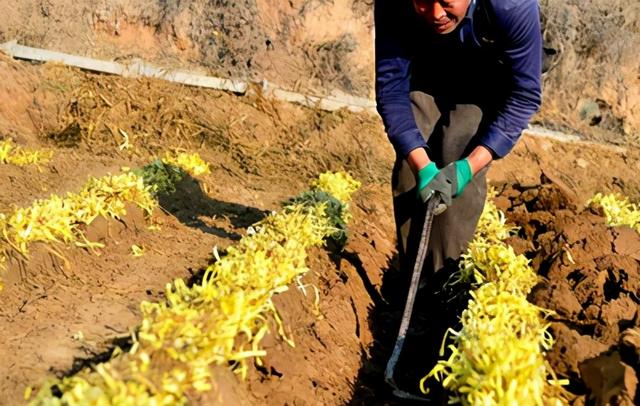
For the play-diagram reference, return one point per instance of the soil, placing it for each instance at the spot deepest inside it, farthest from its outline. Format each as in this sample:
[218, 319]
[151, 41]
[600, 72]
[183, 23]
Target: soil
[262, 153]
[66, 307]
[590, 279]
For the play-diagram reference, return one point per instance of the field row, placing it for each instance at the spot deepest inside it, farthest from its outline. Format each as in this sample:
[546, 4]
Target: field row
[222, 319]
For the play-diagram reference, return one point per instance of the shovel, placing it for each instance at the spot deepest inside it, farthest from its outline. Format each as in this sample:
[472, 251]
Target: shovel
[434, 207]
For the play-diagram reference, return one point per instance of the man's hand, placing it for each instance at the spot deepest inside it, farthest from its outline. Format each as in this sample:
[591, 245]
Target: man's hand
[450, 181]
[446, 183]
[425, 177]
[456, 176]
[425, 171]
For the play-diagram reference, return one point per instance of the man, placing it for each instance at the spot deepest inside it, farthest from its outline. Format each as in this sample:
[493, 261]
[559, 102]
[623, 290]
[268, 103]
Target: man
[456, 82]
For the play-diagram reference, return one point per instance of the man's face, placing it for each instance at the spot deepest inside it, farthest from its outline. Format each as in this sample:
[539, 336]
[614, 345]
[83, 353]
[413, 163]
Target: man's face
[442, 15]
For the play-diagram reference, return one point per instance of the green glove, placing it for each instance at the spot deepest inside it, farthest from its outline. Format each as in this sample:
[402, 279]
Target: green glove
[465, 175]
[458, 174]
[448, 182]
[425, 176]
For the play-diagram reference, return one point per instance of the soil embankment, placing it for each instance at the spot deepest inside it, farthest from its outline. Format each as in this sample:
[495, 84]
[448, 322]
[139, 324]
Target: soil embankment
[301, 45]
[320, 47]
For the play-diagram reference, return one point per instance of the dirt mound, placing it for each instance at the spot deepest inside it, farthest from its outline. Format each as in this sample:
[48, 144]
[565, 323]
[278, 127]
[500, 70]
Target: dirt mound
[331, 331]
[591, 280]
[63, 305]
[26, 107]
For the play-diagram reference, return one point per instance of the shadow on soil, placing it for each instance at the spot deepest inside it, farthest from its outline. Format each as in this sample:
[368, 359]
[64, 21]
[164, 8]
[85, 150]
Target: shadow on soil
[436, 309]
[189, 204]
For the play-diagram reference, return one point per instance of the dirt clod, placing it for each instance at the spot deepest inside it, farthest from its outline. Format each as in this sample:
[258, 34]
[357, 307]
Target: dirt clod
[610, 381]
[591, 281]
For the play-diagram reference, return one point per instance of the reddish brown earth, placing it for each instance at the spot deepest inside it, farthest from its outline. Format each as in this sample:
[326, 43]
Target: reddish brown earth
[590, 278]
[262, 153]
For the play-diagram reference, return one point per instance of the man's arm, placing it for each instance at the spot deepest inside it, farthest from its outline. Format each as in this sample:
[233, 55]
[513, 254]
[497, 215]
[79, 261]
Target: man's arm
[480, 157]
[519, 21]
[393, 62]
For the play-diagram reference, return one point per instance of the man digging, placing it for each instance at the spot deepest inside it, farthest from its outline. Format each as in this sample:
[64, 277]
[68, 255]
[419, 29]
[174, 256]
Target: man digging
[457, 82]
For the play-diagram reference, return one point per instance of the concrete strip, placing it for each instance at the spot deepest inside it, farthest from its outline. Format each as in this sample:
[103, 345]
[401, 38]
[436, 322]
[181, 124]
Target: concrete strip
[15, 50]
[327, 103]
[540, 132]
[140, 68]
[135, 69]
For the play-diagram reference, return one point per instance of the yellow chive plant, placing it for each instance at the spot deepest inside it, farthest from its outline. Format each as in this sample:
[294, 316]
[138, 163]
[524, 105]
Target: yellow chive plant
[190, 163]
[16, 155]
[498, 355]
[58, 219]
[618, 210]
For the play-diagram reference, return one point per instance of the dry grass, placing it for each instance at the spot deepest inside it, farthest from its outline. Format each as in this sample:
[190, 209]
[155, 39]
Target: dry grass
[139, 118]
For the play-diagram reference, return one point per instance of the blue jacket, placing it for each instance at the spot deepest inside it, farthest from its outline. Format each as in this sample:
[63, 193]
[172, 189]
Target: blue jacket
[408, 52]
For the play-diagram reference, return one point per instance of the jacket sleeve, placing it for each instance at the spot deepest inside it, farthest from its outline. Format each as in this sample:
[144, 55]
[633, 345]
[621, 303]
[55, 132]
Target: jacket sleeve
[393, 62]
[520, 23]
